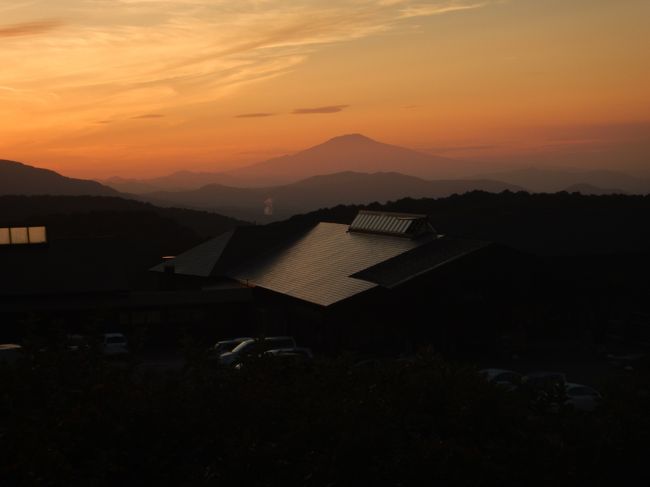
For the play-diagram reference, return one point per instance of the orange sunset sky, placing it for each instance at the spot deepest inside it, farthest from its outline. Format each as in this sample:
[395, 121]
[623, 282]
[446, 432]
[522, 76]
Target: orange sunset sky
[95, 88]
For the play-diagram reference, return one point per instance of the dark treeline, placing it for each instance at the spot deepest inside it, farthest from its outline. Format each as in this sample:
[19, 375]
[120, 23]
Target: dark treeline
[149, 231]
[544, 224]
[588, 256]
[600, 241]
[75, 420]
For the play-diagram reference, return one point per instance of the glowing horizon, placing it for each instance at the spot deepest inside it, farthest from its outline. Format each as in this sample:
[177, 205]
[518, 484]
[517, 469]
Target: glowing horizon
[136, 88]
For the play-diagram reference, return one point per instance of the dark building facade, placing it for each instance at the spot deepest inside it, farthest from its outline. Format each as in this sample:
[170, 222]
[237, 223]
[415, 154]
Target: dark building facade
[387, 283]
[83, 285]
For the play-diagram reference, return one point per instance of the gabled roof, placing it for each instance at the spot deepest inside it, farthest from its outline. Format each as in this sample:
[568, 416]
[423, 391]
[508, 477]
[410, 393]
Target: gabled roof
[318, 266]
[200, 260]
[419, 261]
[329, 262]
[215, 256]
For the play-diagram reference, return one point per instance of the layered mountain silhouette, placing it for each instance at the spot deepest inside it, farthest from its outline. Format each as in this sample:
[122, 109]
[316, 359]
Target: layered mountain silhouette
[177, 181]
[358, 153]
[318, 192]
[354, 152]
[18, 178]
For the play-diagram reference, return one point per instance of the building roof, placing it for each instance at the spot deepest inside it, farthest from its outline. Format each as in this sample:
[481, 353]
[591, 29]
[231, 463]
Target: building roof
[200, 260]
[329, 262]
[318, 266]
[398, 224]
[213, 257]
[423, 259]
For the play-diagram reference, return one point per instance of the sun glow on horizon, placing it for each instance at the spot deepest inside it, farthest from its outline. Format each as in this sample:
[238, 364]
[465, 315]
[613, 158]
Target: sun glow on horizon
[96, 88]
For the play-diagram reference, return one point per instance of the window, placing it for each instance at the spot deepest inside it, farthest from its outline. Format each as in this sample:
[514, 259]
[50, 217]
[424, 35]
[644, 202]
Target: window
[22, 235]
[19, 235]
[36, 235]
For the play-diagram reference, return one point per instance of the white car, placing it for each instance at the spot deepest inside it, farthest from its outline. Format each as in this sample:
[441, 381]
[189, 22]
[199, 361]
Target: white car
[225, 346]
[115, 344]
[581, 397]
[255, 346]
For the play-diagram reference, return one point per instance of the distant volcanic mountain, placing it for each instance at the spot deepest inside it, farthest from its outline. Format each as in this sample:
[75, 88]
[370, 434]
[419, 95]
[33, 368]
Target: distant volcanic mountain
[318, 192]
[356, 153]
[17, 178]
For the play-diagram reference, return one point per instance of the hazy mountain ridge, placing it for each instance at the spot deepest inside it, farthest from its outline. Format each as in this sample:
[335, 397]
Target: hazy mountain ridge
[540, 180]
[19, 178]
[177, 181]
[346, 153]
[358, 153]
[319, 192]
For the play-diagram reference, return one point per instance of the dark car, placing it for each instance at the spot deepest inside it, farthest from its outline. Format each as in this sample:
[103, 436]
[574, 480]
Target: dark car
[547, 390]
[255, 347]
[544, 378]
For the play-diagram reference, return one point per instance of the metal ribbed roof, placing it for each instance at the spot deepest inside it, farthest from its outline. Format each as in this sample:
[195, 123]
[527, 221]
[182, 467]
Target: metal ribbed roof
[419, 261]
[399, 224]
[317, 267]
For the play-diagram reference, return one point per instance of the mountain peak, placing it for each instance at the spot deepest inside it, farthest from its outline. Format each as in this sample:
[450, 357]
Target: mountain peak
[350, 138]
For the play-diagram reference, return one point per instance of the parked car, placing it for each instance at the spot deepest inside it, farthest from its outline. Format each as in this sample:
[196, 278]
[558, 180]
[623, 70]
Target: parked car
[581, 397]
[547, 390]
[508, 379]
[76, 343]
[544, 378]
[115, 344]
[224, 346]
[254, 347]
[10, 353]
[288, 356]
[295, 353]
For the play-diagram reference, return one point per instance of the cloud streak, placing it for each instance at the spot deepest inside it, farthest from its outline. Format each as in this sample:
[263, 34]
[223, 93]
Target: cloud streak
[148, 115]
[160, 55]
[326, 109]
[255, 115]
[29, 28]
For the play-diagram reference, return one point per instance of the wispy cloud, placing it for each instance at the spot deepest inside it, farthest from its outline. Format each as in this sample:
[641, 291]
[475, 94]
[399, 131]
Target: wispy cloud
[254, 115]
[148, 115]
[438, 8]
[29, 28]
[327, 109]
[149, 55]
